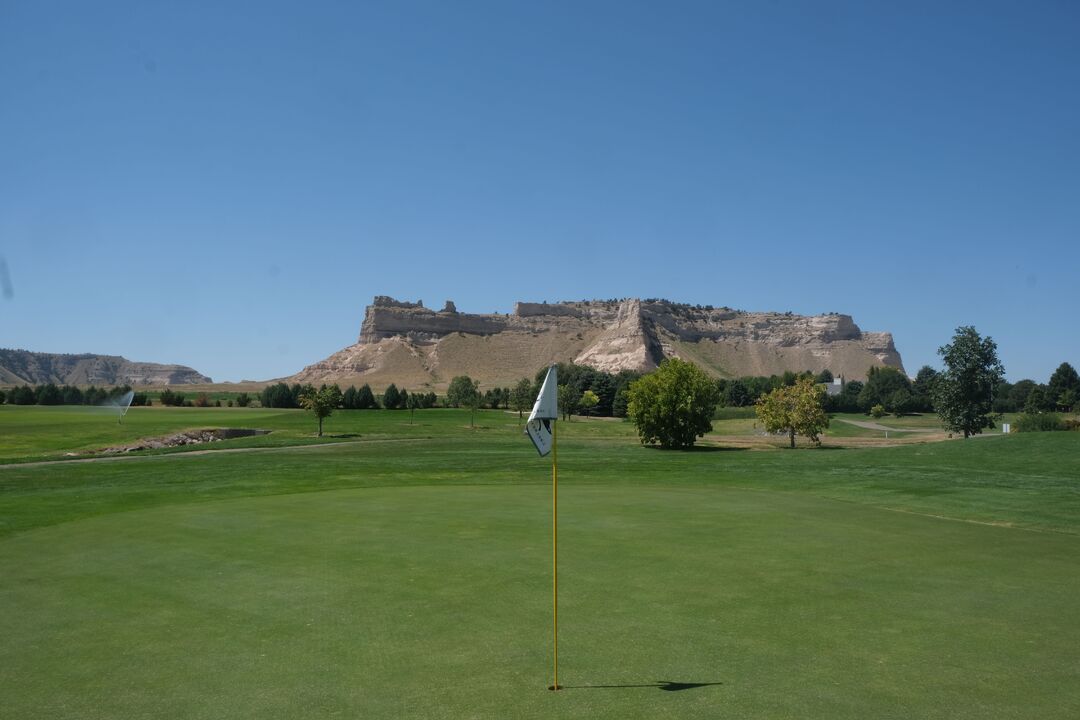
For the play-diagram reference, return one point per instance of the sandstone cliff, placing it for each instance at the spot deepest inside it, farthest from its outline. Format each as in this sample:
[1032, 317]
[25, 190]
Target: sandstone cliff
[19, 367]
[408, 344]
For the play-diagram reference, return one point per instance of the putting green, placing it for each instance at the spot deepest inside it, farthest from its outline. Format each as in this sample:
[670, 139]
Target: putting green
[678, 601]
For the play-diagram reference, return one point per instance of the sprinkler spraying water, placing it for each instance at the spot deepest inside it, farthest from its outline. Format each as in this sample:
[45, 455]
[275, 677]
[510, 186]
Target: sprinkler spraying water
[122, 404]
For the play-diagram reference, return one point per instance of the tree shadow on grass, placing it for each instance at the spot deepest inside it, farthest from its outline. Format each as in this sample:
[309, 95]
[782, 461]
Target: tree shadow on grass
[665, 685]
[699, 448]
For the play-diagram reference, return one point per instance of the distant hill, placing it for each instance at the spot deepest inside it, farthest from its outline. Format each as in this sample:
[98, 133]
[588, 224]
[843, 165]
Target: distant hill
[408, 344]
[19, 367]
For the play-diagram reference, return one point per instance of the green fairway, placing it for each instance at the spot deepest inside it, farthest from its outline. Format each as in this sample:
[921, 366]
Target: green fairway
[405, 572]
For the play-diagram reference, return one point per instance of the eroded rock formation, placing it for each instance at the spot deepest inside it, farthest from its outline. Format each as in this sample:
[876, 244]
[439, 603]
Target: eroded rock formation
[408, 344]
[22, 366]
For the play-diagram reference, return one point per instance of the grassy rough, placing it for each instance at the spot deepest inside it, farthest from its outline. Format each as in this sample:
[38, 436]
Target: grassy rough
[405, 573]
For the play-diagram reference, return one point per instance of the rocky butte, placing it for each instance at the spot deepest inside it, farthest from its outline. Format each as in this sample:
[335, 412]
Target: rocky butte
[22, 366]
[416, 347]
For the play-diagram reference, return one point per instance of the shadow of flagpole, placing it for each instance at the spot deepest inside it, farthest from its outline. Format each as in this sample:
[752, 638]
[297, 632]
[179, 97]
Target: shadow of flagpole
[665, 685]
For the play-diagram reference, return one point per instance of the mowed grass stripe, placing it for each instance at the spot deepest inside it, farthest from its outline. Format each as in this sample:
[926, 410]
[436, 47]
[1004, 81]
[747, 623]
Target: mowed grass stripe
[1024, 480]
[434, 602]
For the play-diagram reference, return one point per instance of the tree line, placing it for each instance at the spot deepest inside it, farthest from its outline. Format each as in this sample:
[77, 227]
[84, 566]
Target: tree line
[52, 394]
[282, 395]
[674, 405]
[893, 393]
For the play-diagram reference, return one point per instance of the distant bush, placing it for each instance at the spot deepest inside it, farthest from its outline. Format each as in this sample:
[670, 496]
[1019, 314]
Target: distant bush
[242, 400]
[391, 399]
[202, 400]
[734, 413]
[171, 399]
[1040, 422]
[49, 394]
[282, 395]
[878, 411]
[23, 395]
[362, 399]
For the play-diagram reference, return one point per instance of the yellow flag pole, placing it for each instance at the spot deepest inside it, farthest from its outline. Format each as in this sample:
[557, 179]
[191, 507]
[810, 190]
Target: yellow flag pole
[555, 546]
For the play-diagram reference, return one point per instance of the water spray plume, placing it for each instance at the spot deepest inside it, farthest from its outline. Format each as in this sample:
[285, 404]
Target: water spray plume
[123, 403]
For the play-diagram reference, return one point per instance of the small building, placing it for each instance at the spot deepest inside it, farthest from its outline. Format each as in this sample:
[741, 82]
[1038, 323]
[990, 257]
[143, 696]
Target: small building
[835, 387]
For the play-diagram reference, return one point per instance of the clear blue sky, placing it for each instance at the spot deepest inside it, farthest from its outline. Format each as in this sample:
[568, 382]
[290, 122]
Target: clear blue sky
[227, 185]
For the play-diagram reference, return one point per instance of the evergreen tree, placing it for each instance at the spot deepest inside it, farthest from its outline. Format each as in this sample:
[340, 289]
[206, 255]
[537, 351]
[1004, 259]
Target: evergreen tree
[23, 395]
[365, 399]
[737, 394]
[922, 390]
[621, 405]
[391, 397]
[49, 394]
[881, 384]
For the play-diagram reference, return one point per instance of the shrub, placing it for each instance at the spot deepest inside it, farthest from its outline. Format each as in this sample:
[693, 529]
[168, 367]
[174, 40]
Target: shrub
[1040, 422]
[280, 396]
[242, 400]
[23, 395]
[202, 400]
[171, 399]
[878, 411]
[49, 394]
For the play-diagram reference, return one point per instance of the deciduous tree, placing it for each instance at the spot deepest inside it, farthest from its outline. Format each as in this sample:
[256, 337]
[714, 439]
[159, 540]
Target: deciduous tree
[588, 401]
[461, 391]
[321, 402]
[672, 406]
[1064, 379]
[521, 397]
[964, 391]
[795, 410]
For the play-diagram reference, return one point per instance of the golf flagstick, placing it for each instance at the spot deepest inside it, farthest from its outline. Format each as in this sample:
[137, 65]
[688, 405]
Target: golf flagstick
[555, 546]
[541, 429]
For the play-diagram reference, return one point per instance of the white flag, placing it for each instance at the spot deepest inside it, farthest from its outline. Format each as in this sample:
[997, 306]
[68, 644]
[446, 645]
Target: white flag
[545, 411]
